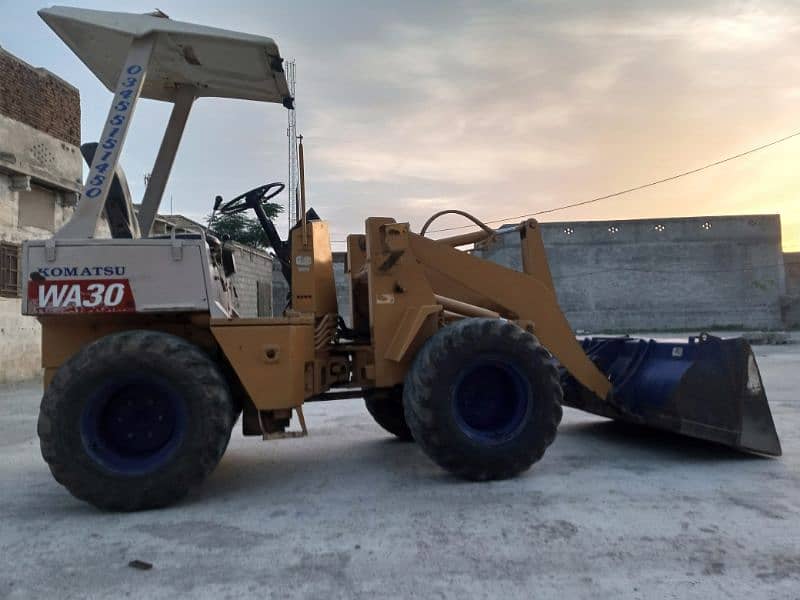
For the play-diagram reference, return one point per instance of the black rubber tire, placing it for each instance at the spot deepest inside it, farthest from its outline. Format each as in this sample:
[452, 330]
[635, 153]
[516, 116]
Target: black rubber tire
[386, 407]
[429, 402]
[200, 387]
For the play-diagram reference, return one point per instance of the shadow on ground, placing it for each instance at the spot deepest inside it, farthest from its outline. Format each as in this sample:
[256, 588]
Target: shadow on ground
[663, 445]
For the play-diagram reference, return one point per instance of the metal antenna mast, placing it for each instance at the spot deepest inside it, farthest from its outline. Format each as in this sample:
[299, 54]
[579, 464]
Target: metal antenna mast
[291, 133]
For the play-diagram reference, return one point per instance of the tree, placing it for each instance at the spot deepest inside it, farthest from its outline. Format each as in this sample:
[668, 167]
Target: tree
[243, 228]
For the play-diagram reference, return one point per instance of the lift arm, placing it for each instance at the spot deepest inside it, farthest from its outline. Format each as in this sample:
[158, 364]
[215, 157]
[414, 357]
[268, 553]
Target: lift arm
[412, 271]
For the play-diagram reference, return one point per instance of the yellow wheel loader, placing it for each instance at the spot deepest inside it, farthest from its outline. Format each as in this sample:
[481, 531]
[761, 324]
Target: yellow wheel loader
[148, 365]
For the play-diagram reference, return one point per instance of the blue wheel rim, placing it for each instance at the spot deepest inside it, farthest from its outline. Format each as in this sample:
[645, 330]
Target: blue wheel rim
[134, 425]
[491, 399]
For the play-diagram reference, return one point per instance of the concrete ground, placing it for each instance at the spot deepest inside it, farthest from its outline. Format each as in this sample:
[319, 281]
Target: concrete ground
[351, 513]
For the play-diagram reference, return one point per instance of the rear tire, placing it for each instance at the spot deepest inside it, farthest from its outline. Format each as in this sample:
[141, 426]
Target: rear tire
[483, 399]
[386, 407]
[134, 420]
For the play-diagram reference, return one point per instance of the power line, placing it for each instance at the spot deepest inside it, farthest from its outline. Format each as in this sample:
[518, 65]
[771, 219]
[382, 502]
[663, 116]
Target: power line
[622, 192]
[632, 189]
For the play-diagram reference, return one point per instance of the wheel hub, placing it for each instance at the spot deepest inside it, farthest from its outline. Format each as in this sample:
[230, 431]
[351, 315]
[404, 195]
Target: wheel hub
[133, 426]
[491, 399]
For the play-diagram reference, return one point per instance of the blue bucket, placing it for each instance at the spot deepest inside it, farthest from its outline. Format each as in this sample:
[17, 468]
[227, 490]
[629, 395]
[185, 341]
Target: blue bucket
[706, 387]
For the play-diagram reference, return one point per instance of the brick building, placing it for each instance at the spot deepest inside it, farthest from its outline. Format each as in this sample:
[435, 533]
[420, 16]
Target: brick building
[41, 172]
[40, 177]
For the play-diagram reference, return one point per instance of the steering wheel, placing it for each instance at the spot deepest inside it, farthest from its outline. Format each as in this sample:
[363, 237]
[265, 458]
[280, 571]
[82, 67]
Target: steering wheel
[251, 199]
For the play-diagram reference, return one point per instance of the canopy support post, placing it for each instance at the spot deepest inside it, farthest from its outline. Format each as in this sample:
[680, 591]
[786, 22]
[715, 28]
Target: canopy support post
[83, 223]
[184, 98]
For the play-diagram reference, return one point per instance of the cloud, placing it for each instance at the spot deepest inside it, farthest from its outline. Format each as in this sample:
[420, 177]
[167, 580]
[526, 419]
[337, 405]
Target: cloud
[743, 31]
[518, 106]
[499, 108]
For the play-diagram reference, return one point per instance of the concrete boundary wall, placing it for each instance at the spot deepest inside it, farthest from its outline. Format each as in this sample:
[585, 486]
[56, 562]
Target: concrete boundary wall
[691, 274]
[791, 302]
[792, 263]
[662, 274]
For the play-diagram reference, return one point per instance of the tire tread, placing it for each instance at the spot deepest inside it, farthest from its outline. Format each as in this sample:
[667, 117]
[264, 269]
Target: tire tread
[199, 455]
[425, 424]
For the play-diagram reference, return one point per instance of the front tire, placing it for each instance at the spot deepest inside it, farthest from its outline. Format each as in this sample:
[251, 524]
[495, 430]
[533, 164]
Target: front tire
[134, 420]
[483, 399]
[386, 407]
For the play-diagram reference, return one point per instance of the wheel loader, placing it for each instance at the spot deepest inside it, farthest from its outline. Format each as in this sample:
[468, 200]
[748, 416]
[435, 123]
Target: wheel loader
[148, 364]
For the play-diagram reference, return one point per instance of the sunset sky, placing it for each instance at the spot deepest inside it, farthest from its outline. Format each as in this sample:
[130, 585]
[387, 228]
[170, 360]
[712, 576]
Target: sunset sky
[498, 108]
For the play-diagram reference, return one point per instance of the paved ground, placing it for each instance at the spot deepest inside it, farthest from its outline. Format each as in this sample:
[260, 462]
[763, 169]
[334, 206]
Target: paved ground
[348, 513]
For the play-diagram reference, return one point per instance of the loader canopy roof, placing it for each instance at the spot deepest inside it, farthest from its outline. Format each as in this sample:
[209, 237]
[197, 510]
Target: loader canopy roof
[216, 62]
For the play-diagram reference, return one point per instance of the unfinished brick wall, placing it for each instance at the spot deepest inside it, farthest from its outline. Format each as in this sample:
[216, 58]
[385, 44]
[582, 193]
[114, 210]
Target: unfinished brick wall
[38, 98]
[253, 269]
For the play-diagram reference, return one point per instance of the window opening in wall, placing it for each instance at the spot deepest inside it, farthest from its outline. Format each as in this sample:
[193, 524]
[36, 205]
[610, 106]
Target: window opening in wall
[37, 208]
[9, 270]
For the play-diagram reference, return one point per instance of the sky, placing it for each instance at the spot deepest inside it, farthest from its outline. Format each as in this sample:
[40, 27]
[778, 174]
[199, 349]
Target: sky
[499, 108]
